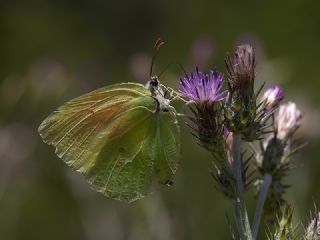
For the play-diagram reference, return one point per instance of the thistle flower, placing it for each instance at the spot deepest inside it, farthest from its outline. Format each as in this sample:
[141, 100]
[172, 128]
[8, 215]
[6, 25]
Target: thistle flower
[241, 71]
[241, 112]
[288, 119]
[272, 97]
[202, 87]
[204, 90]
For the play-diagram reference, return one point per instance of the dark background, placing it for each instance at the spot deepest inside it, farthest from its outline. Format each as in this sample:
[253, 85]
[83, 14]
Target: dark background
[52, 51]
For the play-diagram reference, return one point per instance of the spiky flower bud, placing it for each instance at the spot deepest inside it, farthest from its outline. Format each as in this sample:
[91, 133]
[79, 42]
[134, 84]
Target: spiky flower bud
[272, 156]
[272, 97]
[241, 71]
[288, 120]
[312, 232]
[270, 160]
[241, 113]
[284, 229]
[275, 153]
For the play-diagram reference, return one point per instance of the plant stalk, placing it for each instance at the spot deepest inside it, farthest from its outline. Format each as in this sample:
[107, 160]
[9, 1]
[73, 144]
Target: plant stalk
[240, 209]
[267, 180]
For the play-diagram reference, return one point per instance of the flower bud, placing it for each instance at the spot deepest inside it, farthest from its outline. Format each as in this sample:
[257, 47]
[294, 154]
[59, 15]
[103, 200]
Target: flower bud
[272, 155]
[288, 119]
[240, 108]
[241, 71]
[272, 97]
[284, 228]
[313, 229]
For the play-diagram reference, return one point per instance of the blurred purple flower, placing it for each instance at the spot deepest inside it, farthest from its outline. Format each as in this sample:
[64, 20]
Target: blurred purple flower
[202, 50]
[202, 87]
[272, 97]
[288, 119]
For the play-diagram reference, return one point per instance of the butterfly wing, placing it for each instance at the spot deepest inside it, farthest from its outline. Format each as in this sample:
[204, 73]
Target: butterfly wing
[166, 147]
[140, 159]
[112, 136]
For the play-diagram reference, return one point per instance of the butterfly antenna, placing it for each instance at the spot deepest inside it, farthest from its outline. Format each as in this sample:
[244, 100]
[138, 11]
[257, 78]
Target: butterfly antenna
[168, 65]
[182, 68]
[157, 45]
[165, 69]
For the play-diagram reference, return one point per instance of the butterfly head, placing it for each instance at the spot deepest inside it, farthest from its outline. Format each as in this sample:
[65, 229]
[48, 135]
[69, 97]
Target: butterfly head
[158, 94]
[153, 85]
[154, 81]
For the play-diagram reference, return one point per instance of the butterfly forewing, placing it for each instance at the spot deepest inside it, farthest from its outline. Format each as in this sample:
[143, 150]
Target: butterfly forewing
[75, 127]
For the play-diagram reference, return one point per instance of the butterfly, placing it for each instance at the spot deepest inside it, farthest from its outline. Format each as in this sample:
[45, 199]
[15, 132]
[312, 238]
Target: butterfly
[124, 138]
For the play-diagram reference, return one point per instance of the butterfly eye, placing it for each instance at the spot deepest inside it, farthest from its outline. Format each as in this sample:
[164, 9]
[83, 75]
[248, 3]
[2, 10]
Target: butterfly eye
[154, 82]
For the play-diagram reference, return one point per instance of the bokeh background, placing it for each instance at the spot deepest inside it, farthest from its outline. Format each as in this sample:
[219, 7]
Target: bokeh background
[52, 51]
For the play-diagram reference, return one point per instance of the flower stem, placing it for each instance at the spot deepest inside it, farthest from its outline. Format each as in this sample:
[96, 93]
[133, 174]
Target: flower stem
[267, 180]
[240, 209]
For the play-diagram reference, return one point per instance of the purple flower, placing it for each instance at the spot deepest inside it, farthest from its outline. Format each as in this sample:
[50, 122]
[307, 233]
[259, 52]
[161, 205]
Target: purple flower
[288, 119]
[272, 97]
[202, 87]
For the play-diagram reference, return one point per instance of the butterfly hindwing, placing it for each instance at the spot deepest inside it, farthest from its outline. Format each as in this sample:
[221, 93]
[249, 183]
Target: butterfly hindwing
[140, 159]
[166, 147]
[114, 137]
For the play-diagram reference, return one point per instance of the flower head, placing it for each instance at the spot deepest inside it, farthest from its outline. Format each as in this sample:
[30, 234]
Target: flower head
[288, 119]
[272, 97]
[241, 70]
[206, 121]
[202, 87]
[240, 107]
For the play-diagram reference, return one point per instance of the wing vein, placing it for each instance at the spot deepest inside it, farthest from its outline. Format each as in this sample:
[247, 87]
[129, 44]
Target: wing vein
[83, 150]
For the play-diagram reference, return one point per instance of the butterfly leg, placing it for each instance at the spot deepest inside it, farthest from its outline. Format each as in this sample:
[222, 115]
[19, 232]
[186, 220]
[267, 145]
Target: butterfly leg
[173, 95]
[165, 93]
[175, 114]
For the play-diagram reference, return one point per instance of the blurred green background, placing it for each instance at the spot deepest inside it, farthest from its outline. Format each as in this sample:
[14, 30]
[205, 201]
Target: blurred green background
[52, 51]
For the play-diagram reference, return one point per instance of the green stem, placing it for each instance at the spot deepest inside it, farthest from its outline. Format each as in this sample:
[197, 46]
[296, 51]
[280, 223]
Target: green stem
[267, 180]
[239, 201]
